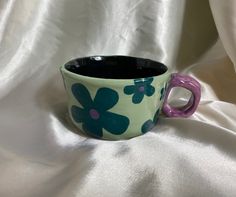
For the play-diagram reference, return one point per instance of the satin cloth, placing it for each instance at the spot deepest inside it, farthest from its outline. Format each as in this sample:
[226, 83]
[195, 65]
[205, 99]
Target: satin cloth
[41, 152]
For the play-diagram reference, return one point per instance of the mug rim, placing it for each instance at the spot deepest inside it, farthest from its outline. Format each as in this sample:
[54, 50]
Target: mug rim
[73, 75]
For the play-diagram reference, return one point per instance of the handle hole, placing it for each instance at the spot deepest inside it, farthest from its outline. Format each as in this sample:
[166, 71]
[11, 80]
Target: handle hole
[179, 97]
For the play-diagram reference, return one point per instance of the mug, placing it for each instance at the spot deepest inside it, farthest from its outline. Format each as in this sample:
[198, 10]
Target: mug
[120, 97]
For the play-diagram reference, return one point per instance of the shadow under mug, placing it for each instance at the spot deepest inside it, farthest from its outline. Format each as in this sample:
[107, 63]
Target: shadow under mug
[120, 97]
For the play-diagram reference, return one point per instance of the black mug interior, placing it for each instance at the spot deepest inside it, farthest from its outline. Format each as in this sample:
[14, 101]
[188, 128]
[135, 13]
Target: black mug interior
[115, 67]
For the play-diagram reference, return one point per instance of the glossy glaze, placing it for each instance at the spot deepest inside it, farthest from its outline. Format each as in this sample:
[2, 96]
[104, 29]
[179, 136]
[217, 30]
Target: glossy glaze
[120, 97]
[116, 67]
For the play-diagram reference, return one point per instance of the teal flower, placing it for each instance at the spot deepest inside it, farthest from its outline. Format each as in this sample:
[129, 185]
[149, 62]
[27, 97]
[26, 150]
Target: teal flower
[149, 124]
[140, 88]
[94, 115]
[162, 92]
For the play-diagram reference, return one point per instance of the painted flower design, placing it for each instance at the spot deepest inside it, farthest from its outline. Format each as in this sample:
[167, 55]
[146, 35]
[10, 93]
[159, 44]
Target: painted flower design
[94, 115]
[140, 88]
[149, 124]
[163, 90]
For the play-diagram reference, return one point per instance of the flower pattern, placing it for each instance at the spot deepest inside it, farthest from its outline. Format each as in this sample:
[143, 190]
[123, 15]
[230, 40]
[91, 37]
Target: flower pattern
[149, 124]
[140, 88]
[94, 115]
[163, 90]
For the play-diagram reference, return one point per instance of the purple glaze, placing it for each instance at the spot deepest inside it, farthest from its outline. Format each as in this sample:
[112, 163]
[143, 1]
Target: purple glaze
[141, 89]
[179, 80]
[94, 114]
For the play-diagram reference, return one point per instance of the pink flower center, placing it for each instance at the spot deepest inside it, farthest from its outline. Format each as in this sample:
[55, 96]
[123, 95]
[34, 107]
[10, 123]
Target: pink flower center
[141, 89]
[94, 114]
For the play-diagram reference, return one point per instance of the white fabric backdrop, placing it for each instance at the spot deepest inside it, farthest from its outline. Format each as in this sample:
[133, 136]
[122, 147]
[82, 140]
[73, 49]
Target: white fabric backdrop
[41, 153]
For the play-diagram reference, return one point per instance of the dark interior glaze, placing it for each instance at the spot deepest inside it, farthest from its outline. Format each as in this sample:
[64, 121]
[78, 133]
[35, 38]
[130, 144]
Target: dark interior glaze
[115, 67]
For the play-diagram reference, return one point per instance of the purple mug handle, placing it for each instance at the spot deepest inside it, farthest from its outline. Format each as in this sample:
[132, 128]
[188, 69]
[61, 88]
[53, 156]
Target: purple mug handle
[179, 80]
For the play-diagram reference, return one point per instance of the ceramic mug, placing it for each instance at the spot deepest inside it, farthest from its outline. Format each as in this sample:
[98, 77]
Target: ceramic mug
[120, 97]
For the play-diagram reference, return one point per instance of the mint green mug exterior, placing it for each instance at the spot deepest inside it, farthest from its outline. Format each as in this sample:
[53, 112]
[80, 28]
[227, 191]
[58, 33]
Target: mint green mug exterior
[134, 103]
